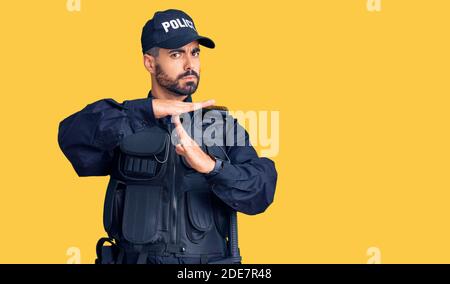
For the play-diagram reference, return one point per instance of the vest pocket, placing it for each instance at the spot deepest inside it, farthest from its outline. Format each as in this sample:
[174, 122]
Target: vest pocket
[141, 213]
[112, 211]
[221, 216]
[143, 155]
[200, 215]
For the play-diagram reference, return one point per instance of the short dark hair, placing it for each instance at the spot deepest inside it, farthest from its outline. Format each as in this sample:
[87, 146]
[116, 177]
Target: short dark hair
[154, 51]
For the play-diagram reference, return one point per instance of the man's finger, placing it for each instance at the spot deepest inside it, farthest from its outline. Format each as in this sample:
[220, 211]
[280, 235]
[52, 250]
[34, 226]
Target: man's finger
[180, 150]
[183, 137]
[176, 120]
[178, 126]
[208, 103]
[200, 105]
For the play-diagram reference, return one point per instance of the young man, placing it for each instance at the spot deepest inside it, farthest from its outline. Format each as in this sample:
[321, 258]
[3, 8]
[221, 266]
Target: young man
[167, 202]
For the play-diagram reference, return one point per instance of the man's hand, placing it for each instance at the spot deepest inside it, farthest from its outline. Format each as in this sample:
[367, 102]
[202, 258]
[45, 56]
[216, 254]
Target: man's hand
[162, 108]
[191, 151]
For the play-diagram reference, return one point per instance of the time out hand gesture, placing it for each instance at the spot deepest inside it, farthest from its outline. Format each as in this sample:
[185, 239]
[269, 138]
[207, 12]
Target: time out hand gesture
[190, 150]
[162, 107]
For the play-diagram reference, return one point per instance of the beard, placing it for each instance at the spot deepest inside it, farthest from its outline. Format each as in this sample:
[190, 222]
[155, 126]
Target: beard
[175, 86]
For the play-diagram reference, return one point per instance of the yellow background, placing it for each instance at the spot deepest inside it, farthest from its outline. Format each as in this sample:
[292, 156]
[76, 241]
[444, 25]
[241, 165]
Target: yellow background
[363, 100]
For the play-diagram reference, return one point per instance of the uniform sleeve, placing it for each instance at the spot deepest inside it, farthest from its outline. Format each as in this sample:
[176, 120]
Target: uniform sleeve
[88, 137]
[247, 183]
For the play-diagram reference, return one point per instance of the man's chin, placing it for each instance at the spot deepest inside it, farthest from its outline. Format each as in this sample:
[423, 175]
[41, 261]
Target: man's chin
[183, 92]
[189, 90]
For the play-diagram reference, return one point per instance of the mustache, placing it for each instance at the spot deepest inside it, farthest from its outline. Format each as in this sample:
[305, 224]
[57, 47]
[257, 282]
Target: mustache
[188, 73]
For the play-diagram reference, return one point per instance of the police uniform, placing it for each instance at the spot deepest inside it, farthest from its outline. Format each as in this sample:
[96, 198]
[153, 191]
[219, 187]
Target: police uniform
[157, 209]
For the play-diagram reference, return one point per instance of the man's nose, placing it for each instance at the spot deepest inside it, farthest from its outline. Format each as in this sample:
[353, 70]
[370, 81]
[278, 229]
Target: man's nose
[188, 63]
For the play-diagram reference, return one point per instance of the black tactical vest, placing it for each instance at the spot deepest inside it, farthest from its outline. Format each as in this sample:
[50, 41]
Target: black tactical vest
[156, 204]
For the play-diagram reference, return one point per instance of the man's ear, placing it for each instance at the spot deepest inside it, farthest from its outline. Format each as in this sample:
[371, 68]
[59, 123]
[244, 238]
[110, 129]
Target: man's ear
[149, 63]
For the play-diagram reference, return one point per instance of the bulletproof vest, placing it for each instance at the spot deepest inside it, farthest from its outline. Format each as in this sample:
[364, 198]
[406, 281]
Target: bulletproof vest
[156, 204]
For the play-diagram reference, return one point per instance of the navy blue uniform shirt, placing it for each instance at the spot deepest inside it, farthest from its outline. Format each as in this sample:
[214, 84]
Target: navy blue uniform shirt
[88, 139]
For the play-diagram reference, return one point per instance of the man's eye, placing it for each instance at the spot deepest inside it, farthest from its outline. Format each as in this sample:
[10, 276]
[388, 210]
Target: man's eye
[175, 55]
[197, 53]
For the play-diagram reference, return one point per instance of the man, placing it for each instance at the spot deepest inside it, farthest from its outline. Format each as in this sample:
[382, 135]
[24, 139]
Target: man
[167, 203]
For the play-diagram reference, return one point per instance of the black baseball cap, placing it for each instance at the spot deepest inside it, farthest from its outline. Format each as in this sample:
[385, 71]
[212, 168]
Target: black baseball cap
[171, 29]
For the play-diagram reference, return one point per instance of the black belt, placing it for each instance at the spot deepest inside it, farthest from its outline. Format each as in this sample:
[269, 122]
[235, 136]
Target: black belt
[158, 249]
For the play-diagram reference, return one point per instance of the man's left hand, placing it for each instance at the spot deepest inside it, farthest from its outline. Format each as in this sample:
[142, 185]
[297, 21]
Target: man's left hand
[190, 150]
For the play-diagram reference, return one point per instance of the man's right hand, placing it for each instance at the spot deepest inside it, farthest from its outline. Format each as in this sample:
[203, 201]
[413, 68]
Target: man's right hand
[162, 107]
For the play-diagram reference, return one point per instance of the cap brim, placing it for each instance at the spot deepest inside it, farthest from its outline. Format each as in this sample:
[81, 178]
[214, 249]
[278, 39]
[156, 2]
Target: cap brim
[179, 41]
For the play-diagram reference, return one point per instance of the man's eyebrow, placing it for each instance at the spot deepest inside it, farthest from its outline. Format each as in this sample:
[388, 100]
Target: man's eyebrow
[196, 49]
[177, 50]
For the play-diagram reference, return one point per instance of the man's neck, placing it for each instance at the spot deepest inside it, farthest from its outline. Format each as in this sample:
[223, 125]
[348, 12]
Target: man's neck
[161, 93]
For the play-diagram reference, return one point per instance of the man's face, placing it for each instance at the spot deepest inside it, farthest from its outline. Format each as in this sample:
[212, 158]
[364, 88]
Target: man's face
[178, 70]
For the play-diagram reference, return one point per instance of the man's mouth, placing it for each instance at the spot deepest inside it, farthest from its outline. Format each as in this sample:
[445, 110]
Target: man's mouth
[189, 77]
